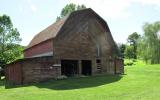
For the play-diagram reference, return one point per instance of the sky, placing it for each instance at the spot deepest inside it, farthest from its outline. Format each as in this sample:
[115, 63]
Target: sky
[123, 16]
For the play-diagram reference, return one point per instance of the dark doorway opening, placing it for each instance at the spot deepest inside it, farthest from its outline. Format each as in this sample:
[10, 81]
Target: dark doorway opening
[86, 67]
[69, 67]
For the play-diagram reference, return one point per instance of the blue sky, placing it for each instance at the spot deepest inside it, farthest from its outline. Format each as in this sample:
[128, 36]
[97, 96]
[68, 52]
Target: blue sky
[123, 16]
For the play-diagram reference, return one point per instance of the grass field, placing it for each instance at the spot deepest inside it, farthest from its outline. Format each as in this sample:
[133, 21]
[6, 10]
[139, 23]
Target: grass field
[140, 82]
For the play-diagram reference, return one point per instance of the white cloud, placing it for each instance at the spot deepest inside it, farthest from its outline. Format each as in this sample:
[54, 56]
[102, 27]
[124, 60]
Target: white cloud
[33, 8]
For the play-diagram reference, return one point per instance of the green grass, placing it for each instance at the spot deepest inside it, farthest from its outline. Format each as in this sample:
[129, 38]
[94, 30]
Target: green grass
[140, 82]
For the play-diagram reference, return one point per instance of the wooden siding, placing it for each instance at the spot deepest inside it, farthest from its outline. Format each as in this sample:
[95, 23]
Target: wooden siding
[13, 73]
[79, 37]
[44, 47]
[119, 64]
[40, 69]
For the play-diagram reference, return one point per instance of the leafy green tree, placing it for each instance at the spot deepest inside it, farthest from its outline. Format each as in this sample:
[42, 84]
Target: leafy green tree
[143, 50]
[149, 45]
[70, 8]
[132, 40]
[129, 52]
[9, 40]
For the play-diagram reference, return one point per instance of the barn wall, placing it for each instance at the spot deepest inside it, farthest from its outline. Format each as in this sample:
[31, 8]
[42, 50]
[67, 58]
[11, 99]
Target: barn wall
[44, 47]
[105, 66]
[13, 73]
[30, 70]
[101, 37]
[81, 33]
[74, 41]
[75, 49]
[40, 69]
[79, 39]
[119, 66]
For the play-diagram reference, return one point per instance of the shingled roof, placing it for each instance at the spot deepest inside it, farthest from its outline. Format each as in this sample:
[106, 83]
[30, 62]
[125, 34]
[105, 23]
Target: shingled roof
[48, 33]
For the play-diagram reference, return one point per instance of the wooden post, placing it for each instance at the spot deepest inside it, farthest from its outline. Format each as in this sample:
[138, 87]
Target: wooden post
[79, 67]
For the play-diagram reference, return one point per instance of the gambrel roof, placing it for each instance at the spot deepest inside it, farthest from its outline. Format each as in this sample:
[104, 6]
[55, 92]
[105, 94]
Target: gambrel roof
[57, 27]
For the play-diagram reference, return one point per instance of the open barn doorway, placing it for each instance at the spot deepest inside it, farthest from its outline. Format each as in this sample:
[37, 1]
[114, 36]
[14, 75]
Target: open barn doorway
[86, 67]
[69, 67]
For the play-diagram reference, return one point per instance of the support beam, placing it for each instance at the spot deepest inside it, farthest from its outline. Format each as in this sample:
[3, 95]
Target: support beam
[79, 67]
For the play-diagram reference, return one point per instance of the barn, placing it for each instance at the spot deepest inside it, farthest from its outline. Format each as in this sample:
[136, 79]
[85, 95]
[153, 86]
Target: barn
[78, 44]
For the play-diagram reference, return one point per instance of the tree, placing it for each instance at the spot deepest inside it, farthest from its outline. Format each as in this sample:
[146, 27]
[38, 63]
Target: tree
[129, 52]
[149, 45]
[70, 8]
[132, 40]
[10, 50]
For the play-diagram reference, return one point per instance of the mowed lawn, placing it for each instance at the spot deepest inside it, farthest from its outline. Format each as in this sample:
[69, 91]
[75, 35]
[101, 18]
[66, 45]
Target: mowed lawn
[140, 82]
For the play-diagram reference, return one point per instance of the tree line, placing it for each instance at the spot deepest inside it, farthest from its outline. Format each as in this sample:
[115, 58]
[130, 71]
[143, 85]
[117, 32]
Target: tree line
[145, 46]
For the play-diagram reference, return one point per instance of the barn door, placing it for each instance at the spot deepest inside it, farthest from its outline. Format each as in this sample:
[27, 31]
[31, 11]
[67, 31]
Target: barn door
[69, 67]
[86, 67]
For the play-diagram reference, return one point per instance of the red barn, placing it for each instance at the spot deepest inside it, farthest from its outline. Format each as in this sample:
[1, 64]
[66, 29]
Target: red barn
[78, 44]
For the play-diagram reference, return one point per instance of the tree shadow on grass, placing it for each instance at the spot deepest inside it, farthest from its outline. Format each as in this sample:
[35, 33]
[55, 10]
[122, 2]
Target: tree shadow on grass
[76, 83]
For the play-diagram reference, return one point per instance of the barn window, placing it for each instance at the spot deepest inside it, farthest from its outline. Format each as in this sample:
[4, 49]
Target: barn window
[98, 61]
[98, 50]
